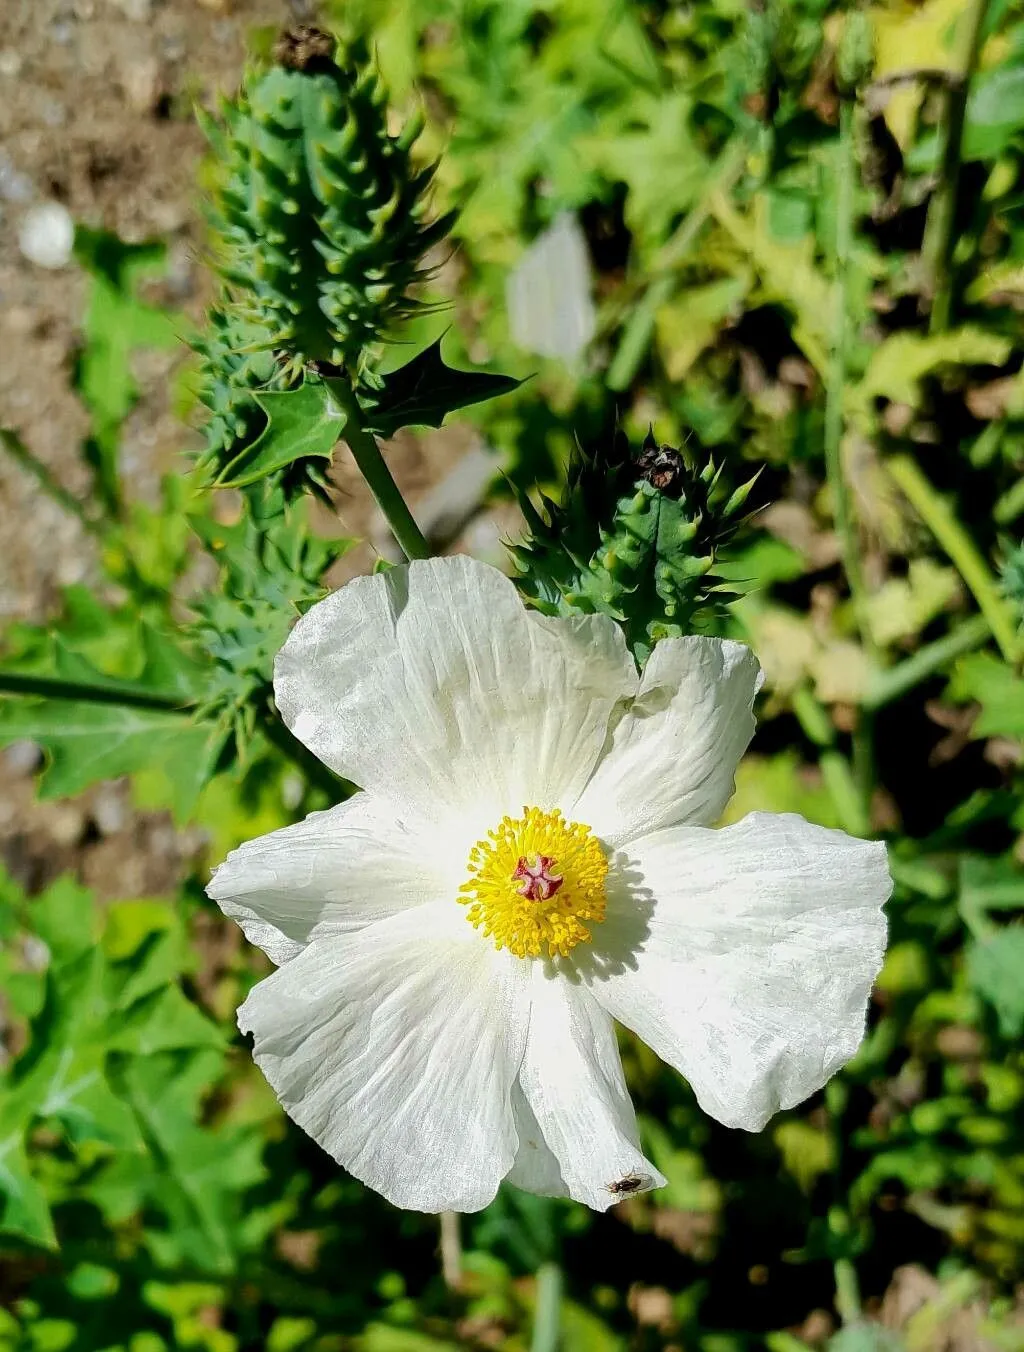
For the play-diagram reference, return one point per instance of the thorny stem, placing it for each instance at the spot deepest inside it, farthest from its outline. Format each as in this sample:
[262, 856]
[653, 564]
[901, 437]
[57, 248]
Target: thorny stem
[127, 696]
[387, 494]
[367, 456]
[547, 1315]
[835, 390]
[938, 516]
[937, 249]
[848, 1303]
[52, 687]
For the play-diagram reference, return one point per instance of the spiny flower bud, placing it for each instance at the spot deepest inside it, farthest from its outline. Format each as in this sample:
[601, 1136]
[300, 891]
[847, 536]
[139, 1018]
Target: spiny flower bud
[319, 222]
[636, 537]
[323, 214]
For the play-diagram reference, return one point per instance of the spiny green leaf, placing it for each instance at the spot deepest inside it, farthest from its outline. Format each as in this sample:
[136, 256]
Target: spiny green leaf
[121, 997]
[89, 739]
[304, 425]
[426, 390]
[88, 742]
[63, 1077]
[161, 1021]
[193, 1175]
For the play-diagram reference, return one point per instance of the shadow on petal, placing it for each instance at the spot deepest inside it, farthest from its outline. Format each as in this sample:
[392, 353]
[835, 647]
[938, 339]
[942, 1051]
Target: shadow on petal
[620, 936]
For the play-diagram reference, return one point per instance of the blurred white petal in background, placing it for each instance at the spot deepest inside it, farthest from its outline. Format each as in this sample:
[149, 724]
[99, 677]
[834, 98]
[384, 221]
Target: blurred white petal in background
[550, 309]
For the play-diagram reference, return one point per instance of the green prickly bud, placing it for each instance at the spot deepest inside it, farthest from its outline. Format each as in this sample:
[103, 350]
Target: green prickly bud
[319, 226]
[309, 164]
[636, 537]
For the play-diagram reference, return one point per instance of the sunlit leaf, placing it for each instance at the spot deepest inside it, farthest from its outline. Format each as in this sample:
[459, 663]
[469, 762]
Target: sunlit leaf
[994, 967]
[899, 363]
[304, 425]
[87, 742]
[999, 691]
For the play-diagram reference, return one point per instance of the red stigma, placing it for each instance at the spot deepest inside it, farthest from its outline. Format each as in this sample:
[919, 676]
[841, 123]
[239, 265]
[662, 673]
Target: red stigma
[536, 881]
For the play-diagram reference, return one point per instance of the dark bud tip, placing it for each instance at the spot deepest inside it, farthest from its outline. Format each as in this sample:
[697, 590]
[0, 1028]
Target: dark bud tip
[306, 48]
[662, 467]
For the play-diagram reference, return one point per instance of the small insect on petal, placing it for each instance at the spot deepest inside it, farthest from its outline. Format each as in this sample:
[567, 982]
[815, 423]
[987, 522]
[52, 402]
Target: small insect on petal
[622, 1187]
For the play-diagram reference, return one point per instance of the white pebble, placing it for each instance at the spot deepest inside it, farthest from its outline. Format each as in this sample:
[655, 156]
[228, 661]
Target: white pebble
[47, 235]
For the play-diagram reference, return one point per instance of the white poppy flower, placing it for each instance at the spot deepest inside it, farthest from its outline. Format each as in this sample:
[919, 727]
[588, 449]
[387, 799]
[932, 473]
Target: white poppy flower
[530, 859]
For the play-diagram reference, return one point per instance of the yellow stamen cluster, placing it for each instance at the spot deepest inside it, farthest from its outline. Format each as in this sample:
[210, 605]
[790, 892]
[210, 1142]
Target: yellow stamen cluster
[534, 882]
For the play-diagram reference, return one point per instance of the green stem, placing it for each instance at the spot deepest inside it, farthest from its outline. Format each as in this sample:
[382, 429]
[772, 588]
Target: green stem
[730, 165]
[848, 1304]
[451, 1249]
[937, 515]
[937, 250]
[886, 686]
[849, 802]
[836, 381]
[367, 456]
[52, 687]
[547, 1315]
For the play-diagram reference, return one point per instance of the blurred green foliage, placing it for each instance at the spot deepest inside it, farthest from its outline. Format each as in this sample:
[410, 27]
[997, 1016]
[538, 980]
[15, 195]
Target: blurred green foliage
[798, 261]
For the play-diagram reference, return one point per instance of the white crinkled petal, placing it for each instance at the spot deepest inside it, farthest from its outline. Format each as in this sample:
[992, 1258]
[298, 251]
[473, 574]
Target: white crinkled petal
[338, 870]
[673, 756]
[535, 1168]
[762, 943]
[432, 685]
[572, 1080]
[396, 1048]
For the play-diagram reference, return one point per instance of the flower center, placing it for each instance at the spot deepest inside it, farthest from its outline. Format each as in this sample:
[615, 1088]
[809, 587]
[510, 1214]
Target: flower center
[534, 882]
